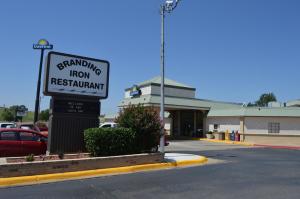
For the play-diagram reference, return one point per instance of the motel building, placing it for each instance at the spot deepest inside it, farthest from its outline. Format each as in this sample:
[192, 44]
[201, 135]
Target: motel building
[187, 116]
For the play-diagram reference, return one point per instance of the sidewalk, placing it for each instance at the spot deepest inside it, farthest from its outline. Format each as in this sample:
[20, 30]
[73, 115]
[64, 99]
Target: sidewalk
[225, 141]
[171, 160]
[250, 144]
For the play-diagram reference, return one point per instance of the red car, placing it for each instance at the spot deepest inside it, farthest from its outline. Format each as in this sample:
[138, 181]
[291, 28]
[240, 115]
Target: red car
[21, 142]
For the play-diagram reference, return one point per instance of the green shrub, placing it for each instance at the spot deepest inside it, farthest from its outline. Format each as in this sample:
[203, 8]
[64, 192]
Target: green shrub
[29, 158]
[109, 141]
[146, 124]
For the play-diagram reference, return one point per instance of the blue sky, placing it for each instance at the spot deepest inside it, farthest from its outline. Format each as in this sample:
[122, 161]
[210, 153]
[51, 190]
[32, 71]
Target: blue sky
[230, 50]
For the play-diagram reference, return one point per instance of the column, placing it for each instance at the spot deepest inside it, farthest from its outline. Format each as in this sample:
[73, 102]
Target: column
[178, 123]
[204, 128]
[242, 124]
[195, 122]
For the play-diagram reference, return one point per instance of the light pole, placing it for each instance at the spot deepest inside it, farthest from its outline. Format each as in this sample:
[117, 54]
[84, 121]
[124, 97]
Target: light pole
[168, 7]
[42, 45]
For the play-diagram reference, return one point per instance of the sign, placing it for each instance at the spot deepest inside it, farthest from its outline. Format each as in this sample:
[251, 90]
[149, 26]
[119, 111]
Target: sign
[75, 106]
[42, 44]
[76, 75]
[21, 111]
[135, 91]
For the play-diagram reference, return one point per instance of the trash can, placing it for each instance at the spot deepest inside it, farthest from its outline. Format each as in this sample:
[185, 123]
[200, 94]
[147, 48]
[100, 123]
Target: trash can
[232, 136]
[216, 135]
[219, 135]
[237, 136]
[222, 136]
[227, 135]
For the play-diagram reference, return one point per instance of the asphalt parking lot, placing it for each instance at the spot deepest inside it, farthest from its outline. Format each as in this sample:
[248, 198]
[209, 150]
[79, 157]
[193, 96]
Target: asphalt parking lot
[232, 172]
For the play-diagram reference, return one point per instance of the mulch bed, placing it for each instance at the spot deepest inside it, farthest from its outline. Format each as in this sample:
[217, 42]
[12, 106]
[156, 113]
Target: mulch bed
[48, 157]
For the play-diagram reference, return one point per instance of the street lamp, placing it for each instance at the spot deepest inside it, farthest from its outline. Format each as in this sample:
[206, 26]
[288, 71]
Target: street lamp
[168, 7]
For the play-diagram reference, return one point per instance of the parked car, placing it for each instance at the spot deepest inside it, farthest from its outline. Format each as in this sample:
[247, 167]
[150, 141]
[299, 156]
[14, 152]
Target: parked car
[108, 125]
[7, 124]
[21, 142]
[28, 126]
[43, 127]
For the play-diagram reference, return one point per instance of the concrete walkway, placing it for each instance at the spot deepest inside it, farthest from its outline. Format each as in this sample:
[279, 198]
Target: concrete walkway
[178, 157]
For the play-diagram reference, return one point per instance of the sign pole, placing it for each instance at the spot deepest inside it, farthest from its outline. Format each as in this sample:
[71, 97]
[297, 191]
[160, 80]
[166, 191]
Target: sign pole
[42, 45]
[37, 99]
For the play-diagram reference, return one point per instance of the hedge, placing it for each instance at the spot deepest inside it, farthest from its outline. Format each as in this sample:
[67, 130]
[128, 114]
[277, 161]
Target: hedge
[109, 141]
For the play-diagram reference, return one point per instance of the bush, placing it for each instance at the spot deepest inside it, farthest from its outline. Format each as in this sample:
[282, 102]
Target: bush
[146, 124]
[7, 115]
[109, 141]
[29, 158]
[44, 115]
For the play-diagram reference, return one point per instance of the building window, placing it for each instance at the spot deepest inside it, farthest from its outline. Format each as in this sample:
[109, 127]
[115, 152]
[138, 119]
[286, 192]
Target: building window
[274, 127]
[216, 126]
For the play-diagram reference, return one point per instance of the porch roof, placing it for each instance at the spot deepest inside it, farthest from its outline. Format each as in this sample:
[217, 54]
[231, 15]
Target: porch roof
[256, 112]
[178, 103]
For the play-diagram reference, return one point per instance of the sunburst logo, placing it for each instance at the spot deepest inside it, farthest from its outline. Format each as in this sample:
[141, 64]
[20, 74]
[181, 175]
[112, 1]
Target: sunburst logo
[43, 42]
[135, 91]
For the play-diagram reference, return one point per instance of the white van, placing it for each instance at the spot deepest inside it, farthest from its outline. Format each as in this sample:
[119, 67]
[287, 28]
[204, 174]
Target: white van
[7, 125]
[108, 125]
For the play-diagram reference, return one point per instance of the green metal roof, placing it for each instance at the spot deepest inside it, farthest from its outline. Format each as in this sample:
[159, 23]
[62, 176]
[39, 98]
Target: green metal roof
[168, 82]
[293, 103]
[179, 103]
[256, 112]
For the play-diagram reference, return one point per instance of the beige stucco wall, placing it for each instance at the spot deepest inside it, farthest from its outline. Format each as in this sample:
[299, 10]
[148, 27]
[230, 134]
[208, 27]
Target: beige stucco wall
[256, 129]
[155, 90]
[259, 125]
[225, 123]
[175, 92]
[280, 140]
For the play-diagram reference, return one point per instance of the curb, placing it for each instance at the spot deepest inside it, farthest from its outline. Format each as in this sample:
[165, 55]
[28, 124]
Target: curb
[278, 147]
[225, 142]
[27, 180]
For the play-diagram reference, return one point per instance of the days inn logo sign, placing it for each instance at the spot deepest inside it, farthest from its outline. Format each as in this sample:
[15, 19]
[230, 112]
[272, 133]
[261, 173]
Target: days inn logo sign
[43, 44]
[76, 75]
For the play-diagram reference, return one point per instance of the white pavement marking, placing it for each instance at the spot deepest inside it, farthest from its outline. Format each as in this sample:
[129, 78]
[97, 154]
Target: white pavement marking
[174, 157]
[3, 161]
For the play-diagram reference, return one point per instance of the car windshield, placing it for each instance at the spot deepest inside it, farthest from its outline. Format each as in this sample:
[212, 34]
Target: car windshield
[8, 125]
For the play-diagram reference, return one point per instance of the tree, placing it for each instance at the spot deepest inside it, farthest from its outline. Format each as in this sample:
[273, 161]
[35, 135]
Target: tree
[44, 115]
[263, 100]
[10, 114]
[7, 115]
[251, 104]
[145, 123]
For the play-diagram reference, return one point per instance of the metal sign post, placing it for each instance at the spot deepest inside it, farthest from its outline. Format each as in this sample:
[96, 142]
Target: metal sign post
[42, 45]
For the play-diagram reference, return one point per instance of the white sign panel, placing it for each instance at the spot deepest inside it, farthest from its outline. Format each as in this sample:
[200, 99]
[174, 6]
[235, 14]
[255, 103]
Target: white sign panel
[21, 113]
[76, 75]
